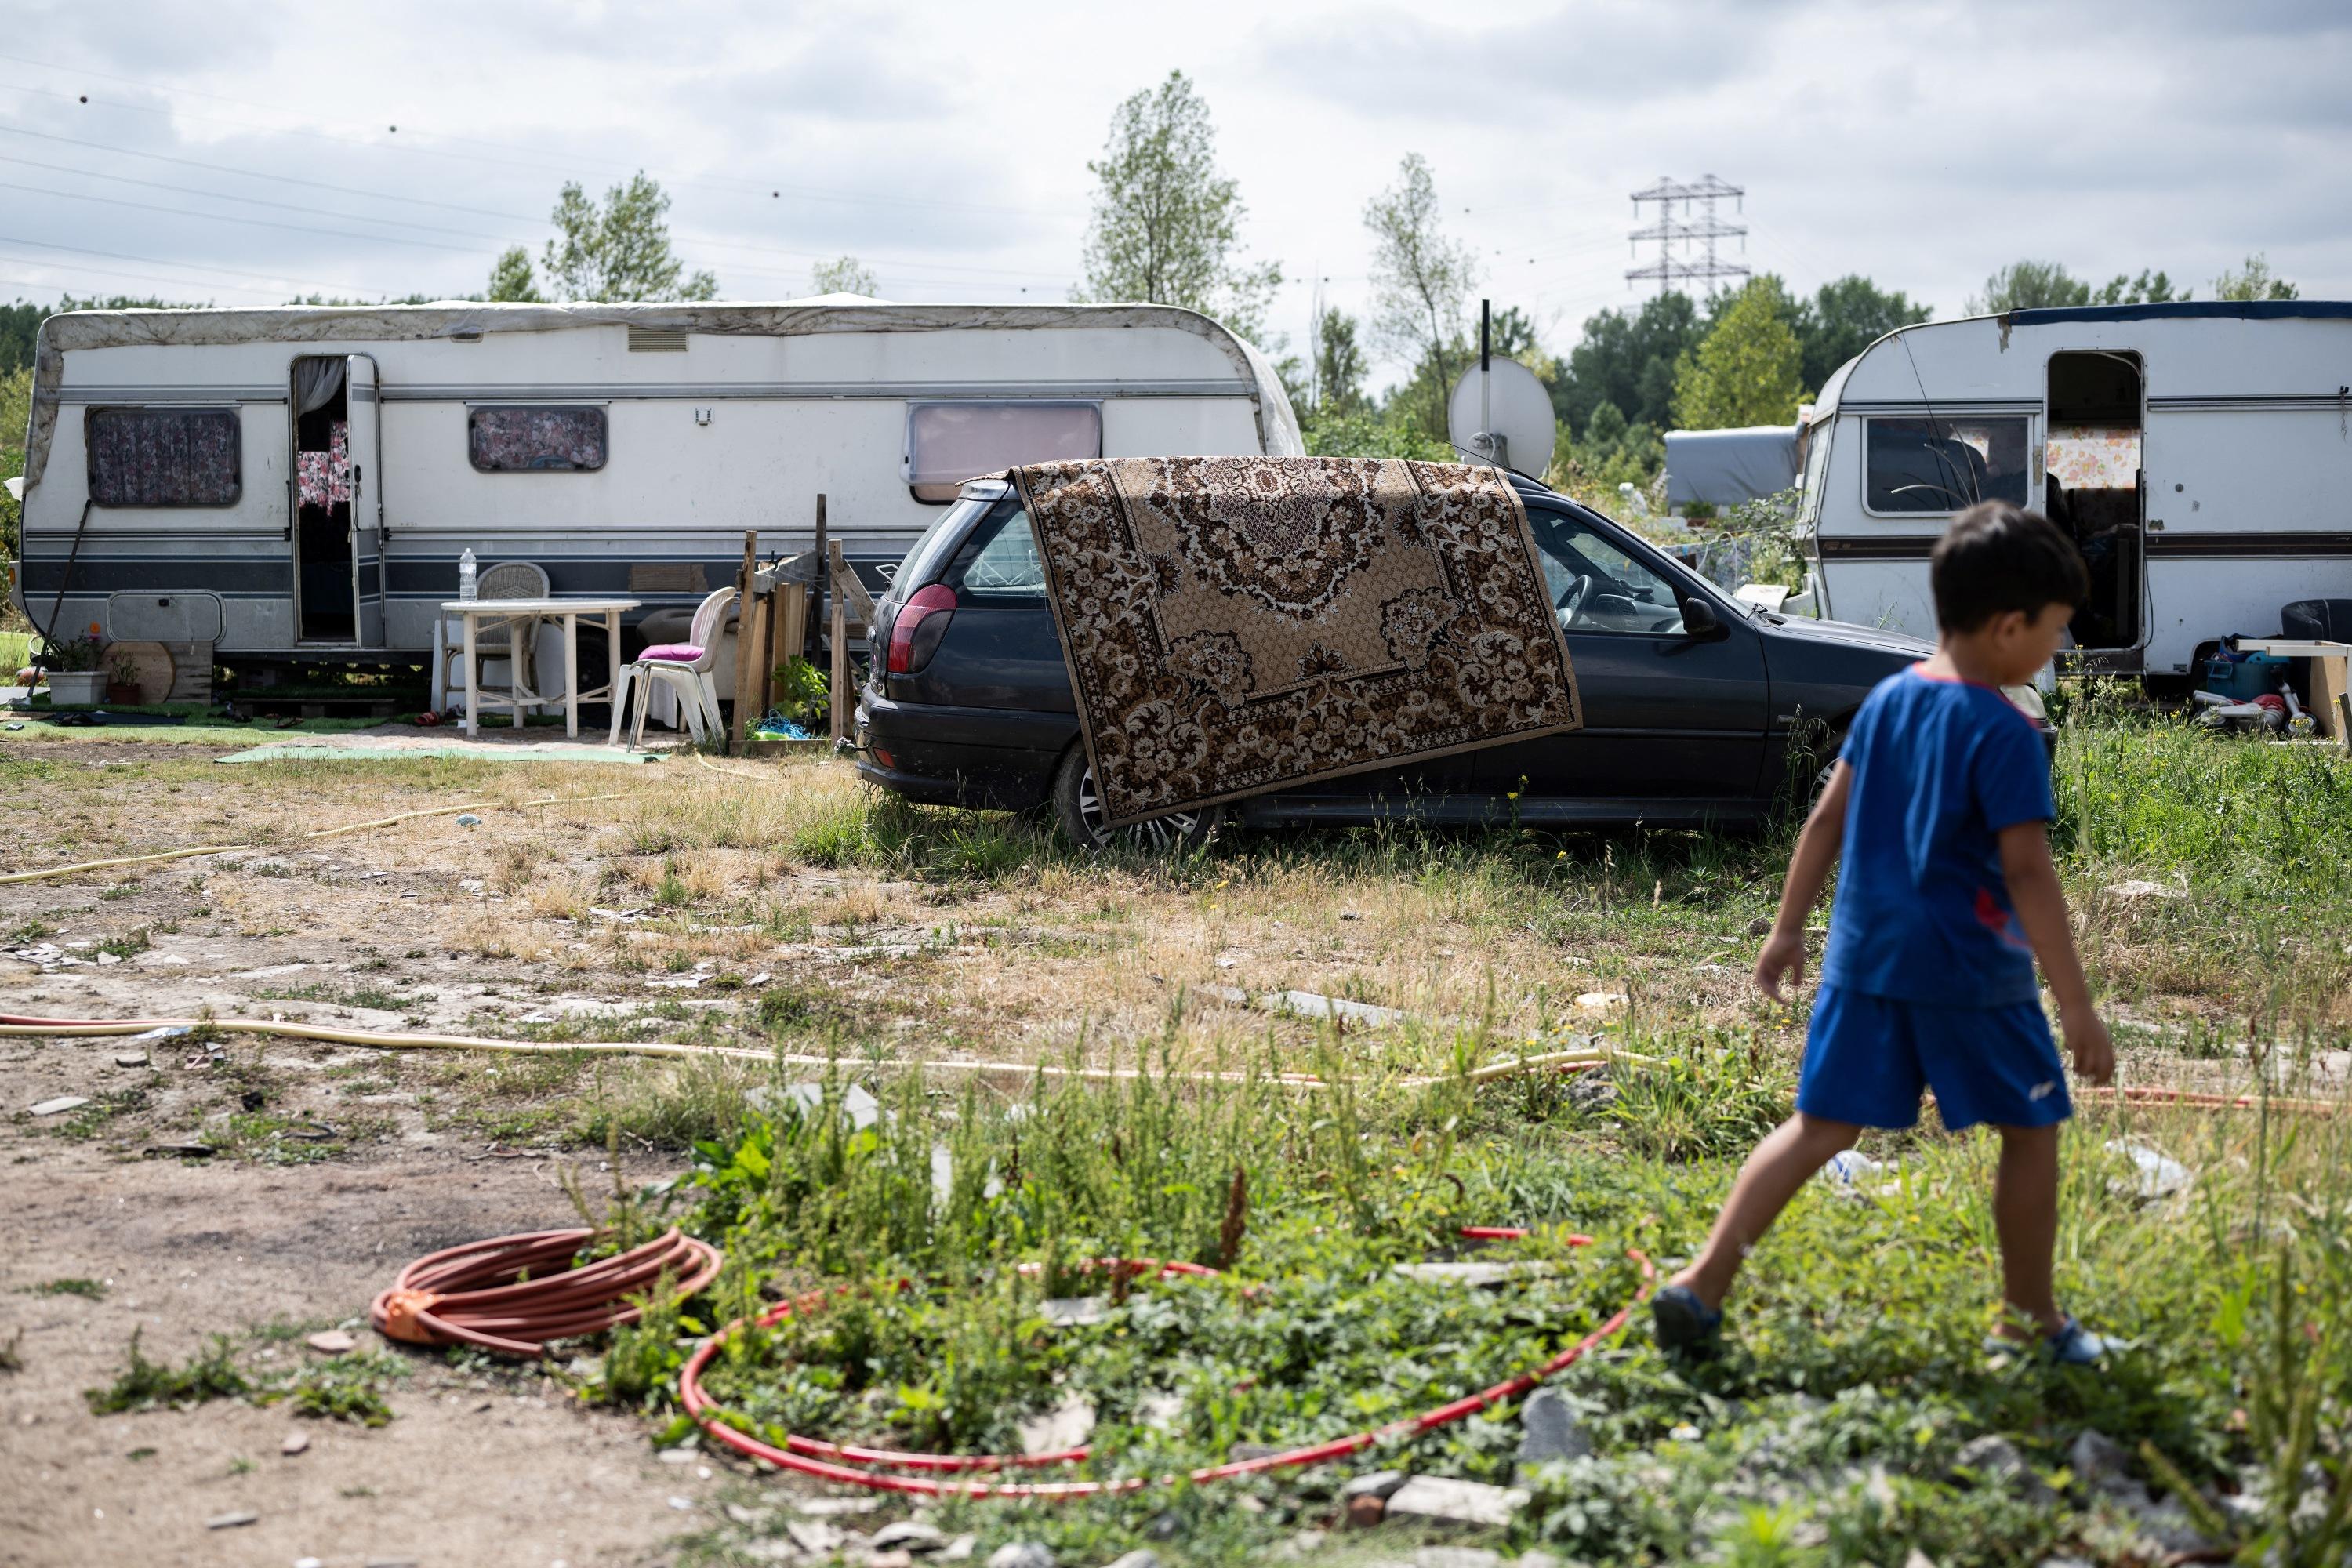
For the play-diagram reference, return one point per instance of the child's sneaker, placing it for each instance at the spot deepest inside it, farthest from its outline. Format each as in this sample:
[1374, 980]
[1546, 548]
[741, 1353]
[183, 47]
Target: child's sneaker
[1684, 1323]
[2072, 1345]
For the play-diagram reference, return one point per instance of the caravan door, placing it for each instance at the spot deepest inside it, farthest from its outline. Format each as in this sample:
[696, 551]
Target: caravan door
[367, 500]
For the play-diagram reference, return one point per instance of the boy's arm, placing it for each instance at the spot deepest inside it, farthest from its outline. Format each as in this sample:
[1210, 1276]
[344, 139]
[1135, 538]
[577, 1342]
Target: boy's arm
[2041, 907]
[1809, 873]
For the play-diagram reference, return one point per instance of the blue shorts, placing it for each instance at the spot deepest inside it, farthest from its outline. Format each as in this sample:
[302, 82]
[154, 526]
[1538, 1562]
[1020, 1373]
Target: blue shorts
[1867, 1058]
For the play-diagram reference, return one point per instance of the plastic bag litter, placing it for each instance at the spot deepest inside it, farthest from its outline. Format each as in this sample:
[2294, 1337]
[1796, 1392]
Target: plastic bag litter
[1852, 1173]
[2156, 1174]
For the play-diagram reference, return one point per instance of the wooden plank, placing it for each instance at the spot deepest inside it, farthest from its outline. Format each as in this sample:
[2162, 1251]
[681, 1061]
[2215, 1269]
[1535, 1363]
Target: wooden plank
[817, 558]
[743, 603]
[2328, 689]
[840, 669]
[844, 584]
[2344, 720]
[2294, 647]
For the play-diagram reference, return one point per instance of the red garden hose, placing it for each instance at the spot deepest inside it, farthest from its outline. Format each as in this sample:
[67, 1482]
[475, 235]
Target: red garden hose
[811, 1457]
[512, 1294]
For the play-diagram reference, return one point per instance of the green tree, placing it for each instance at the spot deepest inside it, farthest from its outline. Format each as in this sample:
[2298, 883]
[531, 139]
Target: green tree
[510, 278]
[2254, 281]
[16, 415]
[619, 251]
[1340, 366]
[2148, 288]
[2029, 286]
[1166, 228]
[1842, 319]
[844, 275]
[1421, 280]
[1628, 358]
[1745, 372]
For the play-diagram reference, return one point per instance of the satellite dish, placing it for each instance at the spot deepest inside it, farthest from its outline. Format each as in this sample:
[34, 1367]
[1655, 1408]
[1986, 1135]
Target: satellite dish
[1501, 414]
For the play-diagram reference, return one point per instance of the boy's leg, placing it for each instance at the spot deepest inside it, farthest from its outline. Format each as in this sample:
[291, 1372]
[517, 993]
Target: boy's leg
[1781, 1165]
[2025, 1216]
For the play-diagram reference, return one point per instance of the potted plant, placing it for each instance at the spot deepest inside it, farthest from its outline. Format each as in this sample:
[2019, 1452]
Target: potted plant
[122, 681]
[76, 667]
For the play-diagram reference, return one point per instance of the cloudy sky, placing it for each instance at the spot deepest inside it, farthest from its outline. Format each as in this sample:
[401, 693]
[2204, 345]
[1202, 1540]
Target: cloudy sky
[244, 152]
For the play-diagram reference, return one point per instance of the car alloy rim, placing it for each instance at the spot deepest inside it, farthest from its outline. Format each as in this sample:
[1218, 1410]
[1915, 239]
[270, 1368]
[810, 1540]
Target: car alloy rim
[1158, 833]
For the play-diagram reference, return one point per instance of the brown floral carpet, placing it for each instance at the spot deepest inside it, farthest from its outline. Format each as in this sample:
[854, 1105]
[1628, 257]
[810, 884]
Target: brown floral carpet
[1239, 625]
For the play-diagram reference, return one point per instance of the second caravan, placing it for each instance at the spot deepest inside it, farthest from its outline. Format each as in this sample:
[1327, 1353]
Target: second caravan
[2200, 454]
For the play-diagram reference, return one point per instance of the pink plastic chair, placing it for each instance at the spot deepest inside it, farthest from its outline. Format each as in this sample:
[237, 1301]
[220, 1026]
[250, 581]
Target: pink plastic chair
[686, 666]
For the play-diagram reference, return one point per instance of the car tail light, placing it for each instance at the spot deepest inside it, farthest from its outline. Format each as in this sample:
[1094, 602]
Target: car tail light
[920, 623]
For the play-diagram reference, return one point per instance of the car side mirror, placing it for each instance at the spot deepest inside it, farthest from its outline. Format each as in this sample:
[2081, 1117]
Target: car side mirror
[1700, 621]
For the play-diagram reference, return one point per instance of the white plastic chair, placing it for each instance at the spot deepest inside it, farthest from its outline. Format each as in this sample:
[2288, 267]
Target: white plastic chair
[684, 666]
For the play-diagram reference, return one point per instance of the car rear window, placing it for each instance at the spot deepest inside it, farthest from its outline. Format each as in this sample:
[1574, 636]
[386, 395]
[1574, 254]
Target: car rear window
[923, 563]
[999, 560]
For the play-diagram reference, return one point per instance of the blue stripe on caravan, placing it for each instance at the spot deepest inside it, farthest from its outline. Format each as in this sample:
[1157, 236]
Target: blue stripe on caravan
[2243, 309]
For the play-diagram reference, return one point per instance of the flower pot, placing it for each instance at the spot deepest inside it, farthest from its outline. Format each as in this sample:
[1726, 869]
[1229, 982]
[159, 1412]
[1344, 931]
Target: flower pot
[121, 693]
[76, 687]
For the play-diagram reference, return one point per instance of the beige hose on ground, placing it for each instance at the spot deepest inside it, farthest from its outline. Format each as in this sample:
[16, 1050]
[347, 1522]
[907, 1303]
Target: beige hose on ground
[24, 1025]
[49, 872]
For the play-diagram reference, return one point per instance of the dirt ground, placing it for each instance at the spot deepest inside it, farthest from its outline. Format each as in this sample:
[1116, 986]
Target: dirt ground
[748, 907]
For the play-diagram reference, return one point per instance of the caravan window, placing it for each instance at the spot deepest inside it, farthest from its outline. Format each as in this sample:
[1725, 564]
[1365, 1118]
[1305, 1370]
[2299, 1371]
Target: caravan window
[947, 443]
[1943, 465]
[164, 457]
[568, 438]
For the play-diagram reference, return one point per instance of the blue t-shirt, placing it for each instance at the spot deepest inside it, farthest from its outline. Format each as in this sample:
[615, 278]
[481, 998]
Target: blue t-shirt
[1939, 767]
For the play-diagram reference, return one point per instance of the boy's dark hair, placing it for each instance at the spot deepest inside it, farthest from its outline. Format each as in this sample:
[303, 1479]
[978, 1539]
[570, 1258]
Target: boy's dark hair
[1997, 557]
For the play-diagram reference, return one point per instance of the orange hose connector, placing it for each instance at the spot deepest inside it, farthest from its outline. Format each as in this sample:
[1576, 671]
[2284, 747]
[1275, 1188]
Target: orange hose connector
[512, 1294]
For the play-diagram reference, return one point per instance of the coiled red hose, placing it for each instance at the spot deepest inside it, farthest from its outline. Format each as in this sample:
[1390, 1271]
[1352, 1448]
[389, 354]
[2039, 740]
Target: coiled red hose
[512, 1294]
[839, 1463]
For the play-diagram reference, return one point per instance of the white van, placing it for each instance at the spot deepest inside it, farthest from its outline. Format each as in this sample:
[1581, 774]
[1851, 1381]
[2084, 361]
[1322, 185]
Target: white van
[298, 484]
[2200, 454]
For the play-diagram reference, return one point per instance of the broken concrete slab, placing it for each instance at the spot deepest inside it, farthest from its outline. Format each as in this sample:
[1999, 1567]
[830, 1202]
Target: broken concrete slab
[1312, 1005]
[1435, 1499]
[1068, 1425]
[1474, 1273]
[1549, 1429]
[60, 1105]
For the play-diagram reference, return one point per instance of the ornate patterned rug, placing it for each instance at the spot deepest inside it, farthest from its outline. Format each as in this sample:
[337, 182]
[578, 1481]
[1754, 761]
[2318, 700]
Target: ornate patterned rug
[1240, 625]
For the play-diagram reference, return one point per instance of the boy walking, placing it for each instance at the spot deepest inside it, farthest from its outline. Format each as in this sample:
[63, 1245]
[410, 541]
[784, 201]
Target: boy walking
[1940, 801]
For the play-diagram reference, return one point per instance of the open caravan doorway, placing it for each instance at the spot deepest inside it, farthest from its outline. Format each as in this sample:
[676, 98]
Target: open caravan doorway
[2094, 489]
[325, 609]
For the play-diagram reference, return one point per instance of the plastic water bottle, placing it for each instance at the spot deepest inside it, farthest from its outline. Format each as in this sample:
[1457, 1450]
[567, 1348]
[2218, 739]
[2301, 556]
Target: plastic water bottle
[466, 589]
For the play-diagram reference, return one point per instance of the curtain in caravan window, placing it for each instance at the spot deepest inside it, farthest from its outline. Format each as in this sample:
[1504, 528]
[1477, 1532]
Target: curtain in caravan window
[315, 382]
[164, 457]
[947, 443]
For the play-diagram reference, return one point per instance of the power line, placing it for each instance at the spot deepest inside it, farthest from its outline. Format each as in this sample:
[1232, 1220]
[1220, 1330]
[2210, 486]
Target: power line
[775, 190]
[227, 217]
[271, 278]
[1707, 229]
[258, 174]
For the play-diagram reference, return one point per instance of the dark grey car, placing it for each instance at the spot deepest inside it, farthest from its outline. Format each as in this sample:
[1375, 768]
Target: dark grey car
[1691, 699]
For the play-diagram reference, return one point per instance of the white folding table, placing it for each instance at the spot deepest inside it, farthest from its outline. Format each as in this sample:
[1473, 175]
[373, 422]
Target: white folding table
[523, 617]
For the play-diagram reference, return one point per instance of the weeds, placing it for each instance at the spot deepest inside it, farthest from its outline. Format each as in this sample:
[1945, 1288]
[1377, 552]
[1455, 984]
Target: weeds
[144, 1384]
[89, 1289]
[344, 1388]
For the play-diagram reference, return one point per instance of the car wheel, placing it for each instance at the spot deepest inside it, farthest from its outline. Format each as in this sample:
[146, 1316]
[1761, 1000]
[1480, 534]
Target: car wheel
[1079, 808]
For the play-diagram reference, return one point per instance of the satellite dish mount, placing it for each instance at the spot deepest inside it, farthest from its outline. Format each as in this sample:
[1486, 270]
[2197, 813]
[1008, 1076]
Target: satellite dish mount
[1500, 413]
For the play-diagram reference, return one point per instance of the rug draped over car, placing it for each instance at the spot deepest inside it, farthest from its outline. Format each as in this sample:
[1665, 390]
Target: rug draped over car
[1239, 625]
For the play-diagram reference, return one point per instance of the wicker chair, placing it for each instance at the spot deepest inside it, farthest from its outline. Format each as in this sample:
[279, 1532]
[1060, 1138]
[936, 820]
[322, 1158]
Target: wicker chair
[506, 580]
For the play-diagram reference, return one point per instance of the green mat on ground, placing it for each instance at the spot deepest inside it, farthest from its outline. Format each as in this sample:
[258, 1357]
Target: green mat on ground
[479, 753]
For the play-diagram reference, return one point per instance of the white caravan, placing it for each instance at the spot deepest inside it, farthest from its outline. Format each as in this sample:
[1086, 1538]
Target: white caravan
[298, 484]
[2200, 454]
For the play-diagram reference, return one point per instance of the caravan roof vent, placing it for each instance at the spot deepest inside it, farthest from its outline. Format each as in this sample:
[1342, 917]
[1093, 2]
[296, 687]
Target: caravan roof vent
[657, 340]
